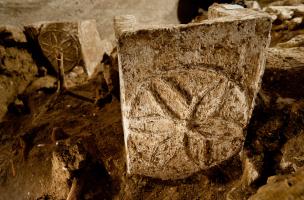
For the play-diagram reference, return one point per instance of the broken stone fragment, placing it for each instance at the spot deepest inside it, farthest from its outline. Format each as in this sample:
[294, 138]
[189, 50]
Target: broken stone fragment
[282, 187]
[297, 41]
[187, 91]
[222, 10]
[78, 41]
[286, 3]
[45, 82]
[66, 159]
[284, 69]
[285, 12]
[252, 170]
[9, 34]
[253, 5]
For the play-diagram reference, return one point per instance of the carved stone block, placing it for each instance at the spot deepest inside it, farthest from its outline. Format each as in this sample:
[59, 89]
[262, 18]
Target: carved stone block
[187, 91]
[78, 41]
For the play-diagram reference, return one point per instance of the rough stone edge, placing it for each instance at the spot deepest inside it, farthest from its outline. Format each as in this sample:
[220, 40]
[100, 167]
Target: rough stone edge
[126, 26]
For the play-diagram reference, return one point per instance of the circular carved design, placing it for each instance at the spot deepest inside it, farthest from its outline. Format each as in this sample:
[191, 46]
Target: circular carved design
[53, 41]
[201, 109]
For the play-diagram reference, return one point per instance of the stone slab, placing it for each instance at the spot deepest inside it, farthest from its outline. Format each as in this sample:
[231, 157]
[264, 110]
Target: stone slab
[79, 41]
[187, 91]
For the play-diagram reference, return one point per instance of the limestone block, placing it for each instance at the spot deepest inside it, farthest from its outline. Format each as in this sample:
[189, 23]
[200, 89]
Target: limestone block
[187, 91]
[78, 41]
[253, 5]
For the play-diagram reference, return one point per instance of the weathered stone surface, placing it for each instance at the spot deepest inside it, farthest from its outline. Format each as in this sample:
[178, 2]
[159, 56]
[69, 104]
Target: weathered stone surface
[297, 41]
[282, 187]
[293, 153]
[45, 82]
[10, 34]
[285, 12]
[67, 158]
[17, 68]
[78, 41]
[288, 22]
[285, 3]
[188, 91]
[251, 172]
[284, 69]
[253, 5]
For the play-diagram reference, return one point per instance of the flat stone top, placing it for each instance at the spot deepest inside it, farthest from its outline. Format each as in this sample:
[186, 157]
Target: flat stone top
[218, 13]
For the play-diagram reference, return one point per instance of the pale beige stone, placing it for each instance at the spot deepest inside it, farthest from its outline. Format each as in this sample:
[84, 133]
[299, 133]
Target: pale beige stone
[285, 12]
[187, 91]
[285, 187]
[79, 42]
[284, 69]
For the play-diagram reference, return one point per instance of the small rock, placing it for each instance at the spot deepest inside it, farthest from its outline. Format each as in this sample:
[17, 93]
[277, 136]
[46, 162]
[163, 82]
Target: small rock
[286, 3]
[284, 187]
[45, 82]
[76, 76]
[252, 168]
[58, 134]
[285, 12]
[18, 107]
[253, 5]
[295, 23]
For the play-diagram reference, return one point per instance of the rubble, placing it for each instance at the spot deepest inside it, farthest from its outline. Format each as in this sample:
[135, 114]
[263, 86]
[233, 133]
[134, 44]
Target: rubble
[11, 34]
[67, 158]
[283, 13]
[293, 154]
[253, 5]
[288, 22]
[176, 122]
[45, 82]
[17, 67]
[284, 69]
[286, 3]
[252, 168]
